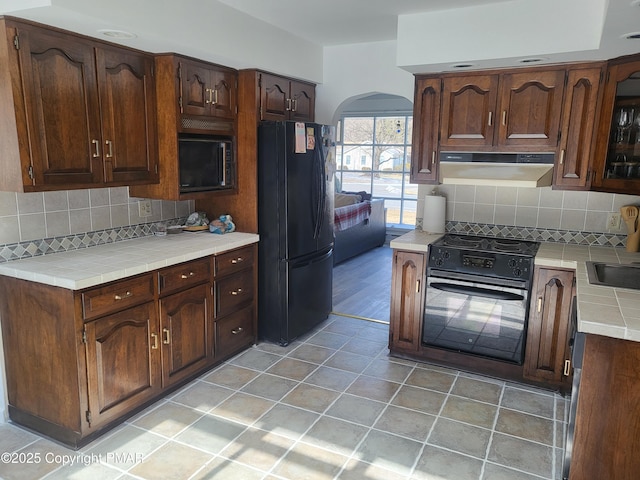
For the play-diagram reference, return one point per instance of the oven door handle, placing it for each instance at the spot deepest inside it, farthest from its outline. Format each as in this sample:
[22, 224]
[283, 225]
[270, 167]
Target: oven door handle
[481, 292]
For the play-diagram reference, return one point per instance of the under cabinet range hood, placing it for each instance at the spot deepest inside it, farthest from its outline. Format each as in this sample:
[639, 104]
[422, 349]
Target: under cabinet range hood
[497, 169]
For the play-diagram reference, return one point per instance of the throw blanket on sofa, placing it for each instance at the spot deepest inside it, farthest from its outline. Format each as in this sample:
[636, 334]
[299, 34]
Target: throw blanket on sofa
[351, 215]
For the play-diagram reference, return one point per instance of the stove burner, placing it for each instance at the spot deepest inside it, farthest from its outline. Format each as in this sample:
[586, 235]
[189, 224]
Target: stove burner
[489, 244]
[462, 241]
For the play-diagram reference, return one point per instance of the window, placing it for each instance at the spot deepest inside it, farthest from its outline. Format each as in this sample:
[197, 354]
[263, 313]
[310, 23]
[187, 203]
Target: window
[383, 145]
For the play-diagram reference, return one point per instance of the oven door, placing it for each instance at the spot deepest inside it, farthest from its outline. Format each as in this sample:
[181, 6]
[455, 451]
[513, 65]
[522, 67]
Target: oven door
[470, 314]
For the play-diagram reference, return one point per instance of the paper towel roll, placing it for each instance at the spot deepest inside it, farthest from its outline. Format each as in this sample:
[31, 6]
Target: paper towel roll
[433, 217]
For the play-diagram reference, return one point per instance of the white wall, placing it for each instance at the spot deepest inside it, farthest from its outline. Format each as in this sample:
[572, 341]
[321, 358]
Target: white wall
[354, 71]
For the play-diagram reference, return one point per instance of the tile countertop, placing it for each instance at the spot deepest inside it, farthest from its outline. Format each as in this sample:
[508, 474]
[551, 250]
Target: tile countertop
[92, 266]
[607, 311]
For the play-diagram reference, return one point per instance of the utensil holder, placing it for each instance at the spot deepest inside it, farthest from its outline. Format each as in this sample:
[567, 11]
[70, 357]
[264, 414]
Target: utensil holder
[633, 242]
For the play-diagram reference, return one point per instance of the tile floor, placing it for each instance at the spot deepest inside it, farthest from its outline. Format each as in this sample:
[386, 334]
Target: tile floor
[333, 405]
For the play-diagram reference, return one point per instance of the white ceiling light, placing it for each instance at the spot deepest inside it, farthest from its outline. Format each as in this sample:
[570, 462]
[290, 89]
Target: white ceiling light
[463, 65]
[121, 34]
[532, 60]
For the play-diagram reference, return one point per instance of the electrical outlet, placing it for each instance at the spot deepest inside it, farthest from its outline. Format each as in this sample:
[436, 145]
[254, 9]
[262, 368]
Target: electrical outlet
[144, 208]
[613, 221]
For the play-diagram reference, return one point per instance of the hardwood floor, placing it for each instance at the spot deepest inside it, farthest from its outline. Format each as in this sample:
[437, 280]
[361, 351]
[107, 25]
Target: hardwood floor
[362, 285]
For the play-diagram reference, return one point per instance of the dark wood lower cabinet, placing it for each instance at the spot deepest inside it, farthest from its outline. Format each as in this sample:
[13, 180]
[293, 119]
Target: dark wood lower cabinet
[407, 301]
[80, 362]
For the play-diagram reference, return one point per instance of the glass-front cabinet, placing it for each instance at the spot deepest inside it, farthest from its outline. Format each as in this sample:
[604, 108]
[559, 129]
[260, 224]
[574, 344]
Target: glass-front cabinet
[617, 156]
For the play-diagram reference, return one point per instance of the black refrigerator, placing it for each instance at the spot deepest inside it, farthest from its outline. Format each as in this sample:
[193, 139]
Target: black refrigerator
[296, 167]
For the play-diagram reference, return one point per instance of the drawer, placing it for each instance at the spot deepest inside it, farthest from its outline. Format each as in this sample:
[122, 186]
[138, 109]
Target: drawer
[234, 261]
[117, 296]
[233, 291]
[235, 332]
[177, 277]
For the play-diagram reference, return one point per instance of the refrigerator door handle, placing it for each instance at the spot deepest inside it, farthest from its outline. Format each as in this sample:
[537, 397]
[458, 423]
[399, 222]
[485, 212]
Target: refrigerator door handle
[320, 188]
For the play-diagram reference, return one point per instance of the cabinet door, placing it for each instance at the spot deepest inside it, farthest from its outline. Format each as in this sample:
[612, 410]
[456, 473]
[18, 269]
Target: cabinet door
[574, 156]
[61, 98]
[186, 321]
[194, 88]
[426, 124]
[530, 106]
[303, 98]
[224, 91]
[123, 362]
[407, 300]
[548, 330]
[468, 111]
[127, 99]
[274, 98]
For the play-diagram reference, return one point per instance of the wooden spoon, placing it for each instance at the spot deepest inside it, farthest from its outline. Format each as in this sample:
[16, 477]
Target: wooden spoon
[630, 215]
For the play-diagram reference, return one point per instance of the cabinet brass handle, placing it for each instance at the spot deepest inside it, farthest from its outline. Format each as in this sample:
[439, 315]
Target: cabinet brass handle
[109, 144]
[183, 276]
[567, 368]
[417, 286]
[236, 292]
[433, 157]
[96, 154]
[490, 118]
[288, 107]
[154, 345]
[237, 260]
[539, 304]
[122, 296]
[504, 118]
[561, 156]
[215, 97]
[237, 330]
[167, 336]
[295, 105]
[208, 99]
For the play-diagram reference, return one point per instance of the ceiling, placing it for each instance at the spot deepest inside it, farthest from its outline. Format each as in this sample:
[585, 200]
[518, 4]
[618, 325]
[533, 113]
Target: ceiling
[329, 23]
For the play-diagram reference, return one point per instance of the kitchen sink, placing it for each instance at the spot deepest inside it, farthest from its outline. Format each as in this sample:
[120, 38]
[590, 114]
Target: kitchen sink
[614, 275]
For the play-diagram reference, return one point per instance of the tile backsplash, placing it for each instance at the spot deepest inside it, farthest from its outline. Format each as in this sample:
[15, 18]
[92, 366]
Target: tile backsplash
[37, 223]
[533, 213]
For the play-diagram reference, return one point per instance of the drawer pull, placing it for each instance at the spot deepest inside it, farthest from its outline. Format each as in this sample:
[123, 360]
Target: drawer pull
[167, 337]
[236, 292]
[96, 144]
[154, 345]
[237, 260]
[539, 304]
[122, 296]
[183, 276]
[237, 330]
[567, 368]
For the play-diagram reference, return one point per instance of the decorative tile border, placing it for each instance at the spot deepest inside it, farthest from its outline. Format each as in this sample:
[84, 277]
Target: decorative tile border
[535, 234]
[45, 246]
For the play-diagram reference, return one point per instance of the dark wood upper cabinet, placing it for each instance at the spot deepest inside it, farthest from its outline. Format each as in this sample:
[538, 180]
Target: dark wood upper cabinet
[617, 156]
[84, 111]
[575, 151]
[510, 112]
[426, 124]
[207, 90]
[283, 99]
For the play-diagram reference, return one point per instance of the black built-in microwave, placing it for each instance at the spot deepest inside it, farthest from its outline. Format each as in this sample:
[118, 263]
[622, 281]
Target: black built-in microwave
[206, 163]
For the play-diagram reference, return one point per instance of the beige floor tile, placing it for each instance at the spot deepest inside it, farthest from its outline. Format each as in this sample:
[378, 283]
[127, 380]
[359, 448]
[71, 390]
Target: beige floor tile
[173, 461]
[258, 449]
[292, 368]
[168, 419]
[270, 386]
[426, 401]
[223, 469]
[312, 353]
[243, 408]
[356, 470]
[477, 390]
[231, 376]
[364, 347]
[356, 409]
[521, 454]
[498, 472]
[336, 435]
[345, 326]
[202, 396]
[388, 370]
[309, 397]
[349, 362]
[124, 447]
[287, 421]
[328, 339]
[470, 411]
[525, 426]
[13, 438]
[373, 388]
[89, 470]
[35, 461]
[404, 422]
[436, 463]
[331, 378]
[431, 379]
[210, 434]
[528, 401]
[255, 359]
[309, 462]
[460, 437]
[389, 451]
